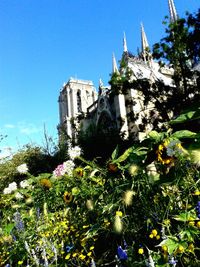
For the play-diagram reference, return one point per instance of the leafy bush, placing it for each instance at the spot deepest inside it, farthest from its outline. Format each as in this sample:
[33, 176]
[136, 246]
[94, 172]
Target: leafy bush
[141, 208]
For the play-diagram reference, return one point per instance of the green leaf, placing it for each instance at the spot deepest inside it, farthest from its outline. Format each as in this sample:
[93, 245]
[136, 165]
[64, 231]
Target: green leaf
[185, 216]
[115, 153]
[8, 228]
[184, 134]
[155, 136]
[172, 244]
[124, 156]
[183, 118]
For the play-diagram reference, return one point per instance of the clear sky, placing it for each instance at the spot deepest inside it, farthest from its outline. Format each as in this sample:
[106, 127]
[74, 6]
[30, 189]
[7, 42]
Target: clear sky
[45, 42]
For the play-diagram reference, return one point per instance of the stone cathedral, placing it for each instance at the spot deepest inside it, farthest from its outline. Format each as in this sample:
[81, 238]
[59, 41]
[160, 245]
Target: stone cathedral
[80, 104]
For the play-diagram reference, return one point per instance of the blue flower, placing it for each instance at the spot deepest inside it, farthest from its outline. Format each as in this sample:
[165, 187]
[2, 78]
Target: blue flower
[68, 248]
[122, 253]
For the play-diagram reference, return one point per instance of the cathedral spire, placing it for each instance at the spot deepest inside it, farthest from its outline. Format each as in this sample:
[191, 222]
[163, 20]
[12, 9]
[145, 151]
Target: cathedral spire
[114, 64]
[125, 44]
[145, 45]
[172, 11]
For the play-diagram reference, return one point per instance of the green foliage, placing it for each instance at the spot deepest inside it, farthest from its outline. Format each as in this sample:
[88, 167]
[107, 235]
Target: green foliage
[142, 202]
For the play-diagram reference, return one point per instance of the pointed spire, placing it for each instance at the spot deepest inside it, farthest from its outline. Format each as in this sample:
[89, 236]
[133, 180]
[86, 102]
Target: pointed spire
[172, 11]
[145, 44]
[100, 83]
[114, 65]
[125, 43]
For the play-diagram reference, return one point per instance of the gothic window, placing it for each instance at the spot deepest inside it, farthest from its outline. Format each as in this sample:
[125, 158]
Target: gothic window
[79, 107]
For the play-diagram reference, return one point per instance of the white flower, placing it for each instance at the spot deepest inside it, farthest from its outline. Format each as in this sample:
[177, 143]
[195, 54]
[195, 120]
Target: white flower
[18, 196]
[22, 168]
[7, 191]
[68, 166]
[74, 152]
[12, 186]
[24, 184]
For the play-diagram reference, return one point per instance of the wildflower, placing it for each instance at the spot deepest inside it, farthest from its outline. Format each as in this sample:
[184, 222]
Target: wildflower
[68, 248]
[59, 171]
[151, 236]
[122, 253]
[197, 193]
[162, 155]
[18, 196]
[67, 197]
[22, 168]
[20, 262]
[119, 213]
[191, 247]
[173, 261]
[46, 183]
[74, 152]
[89, 204]
[195, 156]
[141, 251]
[7, 191]
[68, 256]
[18, 221]
[133, 170]
[24, 184]
[68, 167]
[82, 257]
[89, 253]
[198, 224]
[91, 248]
[128, 197]
[154, 232]
[79, 172]
[164, 249]
[180, 249]
[118, 225]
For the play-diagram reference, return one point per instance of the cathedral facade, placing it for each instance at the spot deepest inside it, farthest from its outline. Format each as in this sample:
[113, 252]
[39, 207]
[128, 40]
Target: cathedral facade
[80, 104]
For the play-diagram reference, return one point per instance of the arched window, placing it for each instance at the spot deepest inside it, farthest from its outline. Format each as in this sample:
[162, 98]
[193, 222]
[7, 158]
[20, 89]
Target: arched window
[79, 105]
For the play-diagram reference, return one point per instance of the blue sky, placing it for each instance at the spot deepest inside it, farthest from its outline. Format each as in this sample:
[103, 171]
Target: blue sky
[45, 42]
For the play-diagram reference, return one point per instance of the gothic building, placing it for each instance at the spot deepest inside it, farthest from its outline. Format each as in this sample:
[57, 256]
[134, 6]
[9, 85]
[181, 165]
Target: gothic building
[80, 105]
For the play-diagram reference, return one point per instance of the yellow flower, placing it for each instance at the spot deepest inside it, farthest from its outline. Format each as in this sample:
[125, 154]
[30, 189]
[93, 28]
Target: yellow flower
[196, 193]
[158, 237]
[198, 224]
[151, 236]
[180, 249]
[119, 213]
[82, 257]
[164, 248]
[20, 262]
[141, 251]
[91, 248]
[191, 247]
[67, 197]
[68, 256]
[89, 254]
[162, 153]
[46, 183]
[191, 223]
[79, 172]
[154, 232]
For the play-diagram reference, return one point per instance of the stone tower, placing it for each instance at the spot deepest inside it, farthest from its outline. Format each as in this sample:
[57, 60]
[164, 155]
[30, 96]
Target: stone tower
[74, 99]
